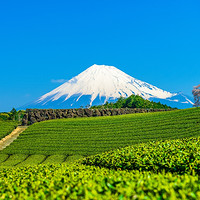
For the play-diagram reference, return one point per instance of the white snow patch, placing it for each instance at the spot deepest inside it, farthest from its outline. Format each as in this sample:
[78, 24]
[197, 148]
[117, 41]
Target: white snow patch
[107, 81]
[185, 102]
[175, 100]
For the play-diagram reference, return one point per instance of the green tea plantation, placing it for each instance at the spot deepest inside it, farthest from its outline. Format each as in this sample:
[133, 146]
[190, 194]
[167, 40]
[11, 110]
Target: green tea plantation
[6, 127]
[89, 136]
[137, 156]
[126, 175]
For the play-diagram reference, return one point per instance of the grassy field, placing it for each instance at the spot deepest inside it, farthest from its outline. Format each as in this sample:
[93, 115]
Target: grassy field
[89, 136]
[145, 179]
[6, 127]
[48, 160]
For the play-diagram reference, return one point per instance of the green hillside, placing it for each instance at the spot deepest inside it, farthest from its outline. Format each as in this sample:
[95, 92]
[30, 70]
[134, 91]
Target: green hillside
[159, 170]
[6, 127]
[178, 156]
[88, 182]
[88, 136]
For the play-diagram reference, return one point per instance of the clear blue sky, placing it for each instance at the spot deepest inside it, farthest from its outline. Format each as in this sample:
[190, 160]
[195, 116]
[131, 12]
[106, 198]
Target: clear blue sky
[41, 41]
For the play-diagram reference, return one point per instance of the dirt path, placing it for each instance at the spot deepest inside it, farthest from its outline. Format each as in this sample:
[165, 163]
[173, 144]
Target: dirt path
[11, 137]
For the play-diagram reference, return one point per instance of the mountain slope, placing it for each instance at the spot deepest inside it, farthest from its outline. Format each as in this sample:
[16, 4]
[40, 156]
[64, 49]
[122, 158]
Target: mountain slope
[101, 83]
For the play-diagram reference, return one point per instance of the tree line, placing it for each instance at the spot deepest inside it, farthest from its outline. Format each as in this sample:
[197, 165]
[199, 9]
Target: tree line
[134, 101]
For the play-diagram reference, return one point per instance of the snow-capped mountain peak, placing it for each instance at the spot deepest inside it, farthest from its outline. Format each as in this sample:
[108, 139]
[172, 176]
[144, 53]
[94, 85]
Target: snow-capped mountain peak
[105, 81]
[98, 84]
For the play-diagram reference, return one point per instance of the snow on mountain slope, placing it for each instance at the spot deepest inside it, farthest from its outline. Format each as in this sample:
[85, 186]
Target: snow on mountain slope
[98, 84]
[105, 81]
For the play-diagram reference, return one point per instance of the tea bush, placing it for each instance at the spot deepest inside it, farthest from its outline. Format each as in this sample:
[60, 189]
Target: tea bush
[77, 181]
[181, 156]
[6, 127]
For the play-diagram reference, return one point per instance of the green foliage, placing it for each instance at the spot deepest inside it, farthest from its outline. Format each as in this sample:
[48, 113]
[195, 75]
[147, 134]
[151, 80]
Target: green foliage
[89, 136]
[55, 159]
[4, 116]
[21, 160]
[13, 115]
[29, 160]
[77, 181]
[3, 157]
[13, 111]
[13, 160]
[181, 156]
[71, 159]
[16, 115]
[6, 127]
[134, 101]
[153, 170]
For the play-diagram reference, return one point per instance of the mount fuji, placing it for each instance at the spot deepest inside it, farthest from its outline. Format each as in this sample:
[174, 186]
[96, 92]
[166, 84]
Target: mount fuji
[101, 83]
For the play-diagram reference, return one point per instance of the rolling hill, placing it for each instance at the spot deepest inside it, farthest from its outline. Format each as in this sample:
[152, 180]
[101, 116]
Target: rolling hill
[88, 136]
[40, 163]
[160, 169]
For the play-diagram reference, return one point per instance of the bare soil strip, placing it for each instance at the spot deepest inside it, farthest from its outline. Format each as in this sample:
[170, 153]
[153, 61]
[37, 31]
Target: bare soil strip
[11, 137]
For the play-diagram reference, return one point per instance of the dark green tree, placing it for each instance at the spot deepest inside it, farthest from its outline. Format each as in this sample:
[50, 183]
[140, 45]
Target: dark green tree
[133, 101]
